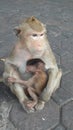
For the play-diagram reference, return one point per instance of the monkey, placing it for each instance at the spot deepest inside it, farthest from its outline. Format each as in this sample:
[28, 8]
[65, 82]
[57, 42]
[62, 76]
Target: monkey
[32, 43]
[36, 84]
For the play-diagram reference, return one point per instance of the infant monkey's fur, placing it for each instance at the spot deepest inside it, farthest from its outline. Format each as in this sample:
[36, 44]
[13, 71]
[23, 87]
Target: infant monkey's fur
[36, 83]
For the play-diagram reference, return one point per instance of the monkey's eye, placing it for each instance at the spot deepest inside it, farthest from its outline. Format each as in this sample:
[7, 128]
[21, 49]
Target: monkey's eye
[42, 34]
[34, 35]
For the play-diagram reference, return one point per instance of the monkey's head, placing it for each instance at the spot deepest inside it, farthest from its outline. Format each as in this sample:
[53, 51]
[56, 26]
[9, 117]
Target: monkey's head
[33, 33]
[33, 65]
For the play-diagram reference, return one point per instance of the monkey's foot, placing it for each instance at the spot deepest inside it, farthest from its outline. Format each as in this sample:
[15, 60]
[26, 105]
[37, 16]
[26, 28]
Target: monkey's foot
[40, 105]
[27, 109]
[31, 104]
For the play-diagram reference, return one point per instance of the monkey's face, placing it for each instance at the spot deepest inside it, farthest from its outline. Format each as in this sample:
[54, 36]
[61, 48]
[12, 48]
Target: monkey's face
[36, 41]
[30, 68]
[33, 34]
[41, 66]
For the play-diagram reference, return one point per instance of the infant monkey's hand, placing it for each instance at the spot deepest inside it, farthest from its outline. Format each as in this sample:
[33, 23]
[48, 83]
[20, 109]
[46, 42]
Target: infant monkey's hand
[19, 81]
[12, 80]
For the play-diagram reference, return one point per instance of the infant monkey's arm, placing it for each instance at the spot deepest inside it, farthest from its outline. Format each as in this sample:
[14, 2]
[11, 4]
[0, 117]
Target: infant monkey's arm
[24, 83]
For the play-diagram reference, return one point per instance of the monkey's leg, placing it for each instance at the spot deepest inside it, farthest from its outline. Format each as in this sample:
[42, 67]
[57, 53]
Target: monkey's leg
[51, 87]
[18, 90]
[31, 92]
[57, 82]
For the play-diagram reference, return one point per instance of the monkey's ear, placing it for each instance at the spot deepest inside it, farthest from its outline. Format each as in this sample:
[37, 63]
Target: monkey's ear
[17, 31]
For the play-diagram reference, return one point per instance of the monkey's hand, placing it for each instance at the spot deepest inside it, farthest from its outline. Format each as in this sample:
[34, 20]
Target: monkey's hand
[12, 80]
[15, 80]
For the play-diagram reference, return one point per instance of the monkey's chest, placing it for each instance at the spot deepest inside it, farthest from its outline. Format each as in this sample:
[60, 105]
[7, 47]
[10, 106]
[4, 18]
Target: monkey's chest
[21, 59]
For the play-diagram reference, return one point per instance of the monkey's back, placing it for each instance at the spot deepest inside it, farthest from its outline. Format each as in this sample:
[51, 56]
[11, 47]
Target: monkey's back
[40, 81]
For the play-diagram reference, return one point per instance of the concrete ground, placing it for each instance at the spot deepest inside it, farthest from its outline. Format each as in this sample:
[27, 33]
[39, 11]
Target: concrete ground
[58, 16]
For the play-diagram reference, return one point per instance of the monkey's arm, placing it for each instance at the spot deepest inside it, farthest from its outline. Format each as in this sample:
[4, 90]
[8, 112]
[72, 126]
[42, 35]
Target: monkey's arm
[24, 83]
[9, 71]
[19, 81]
[30, 81]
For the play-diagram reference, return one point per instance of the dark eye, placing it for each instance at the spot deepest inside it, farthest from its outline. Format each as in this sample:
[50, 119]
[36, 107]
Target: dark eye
[34, 35]
[41, 34]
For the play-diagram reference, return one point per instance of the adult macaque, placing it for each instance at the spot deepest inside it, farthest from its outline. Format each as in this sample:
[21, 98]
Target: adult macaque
[32, 43]
[36, 83]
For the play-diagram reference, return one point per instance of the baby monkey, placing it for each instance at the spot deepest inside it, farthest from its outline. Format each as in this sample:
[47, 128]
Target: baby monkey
[36, 83]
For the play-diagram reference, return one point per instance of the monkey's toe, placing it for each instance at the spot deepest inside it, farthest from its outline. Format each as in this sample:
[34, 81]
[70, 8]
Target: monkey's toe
[40, 105]
[28, 110]
[31, 104]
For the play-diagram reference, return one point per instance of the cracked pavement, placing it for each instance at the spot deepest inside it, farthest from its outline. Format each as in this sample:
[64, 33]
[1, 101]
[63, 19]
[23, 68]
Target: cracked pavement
[58, 16]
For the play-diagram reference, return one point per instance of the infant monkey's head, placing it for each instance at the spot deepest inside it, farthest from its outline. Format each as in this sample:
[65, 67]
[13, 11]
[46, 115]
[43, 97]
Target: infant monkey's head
[34, 65]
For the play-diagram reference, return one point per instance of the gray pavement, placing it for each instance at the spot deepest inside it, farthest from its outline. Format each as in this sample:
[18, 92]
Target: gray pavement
[58, 16]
